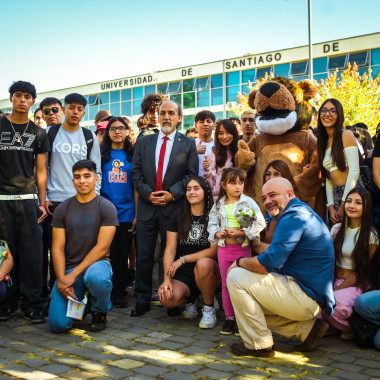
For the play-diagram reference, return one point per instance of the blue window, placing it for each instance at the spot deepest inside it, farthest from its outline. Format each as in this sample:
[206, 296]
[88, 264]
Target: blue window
[203, 83]
[104, 98]
[150, 89]
[126, 108]
[375, 70]
[320, 65]
[216, 96]
[338, 62]
[362, 70]
[138, 93]
[188, 85]
[375, 57]
[189, 100]
[163, 88]
[85, 117]
[233, 78]
[176, 98]
[298, 68]
[188, 121]
[115, 109]
[174, 87]
[218, 115]
[203, 98]
[318, 77]
[298, 79]
[244, 88]
[217, 80]
[93, 111]
[92, 100]
[282, 69]
[137, 106]
[232, 93]
[248, 75]
[115, 96]
[104, 107]
[126, 94]
[361, 58]
[260, 73]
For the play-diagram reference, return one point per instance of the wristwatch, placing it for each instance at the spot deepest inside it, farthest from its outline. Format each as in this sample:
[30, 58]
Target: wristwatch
[238, 261]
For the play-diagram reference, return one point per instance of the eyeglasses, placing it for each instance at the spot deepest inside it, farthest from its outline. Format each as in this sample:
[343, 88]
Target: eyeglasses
[332, 111]
[120, 129]
[274, 174]
[46, 111]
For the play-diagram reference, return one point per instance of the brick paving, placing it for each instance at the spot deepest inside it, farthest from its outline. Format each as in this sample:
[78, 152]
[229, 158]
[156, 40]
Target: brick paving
[156, 346]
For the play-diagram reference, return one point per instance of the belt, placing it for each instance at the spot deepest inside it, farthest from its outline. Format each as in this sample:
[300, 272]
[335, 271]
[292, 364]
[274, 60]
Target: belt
[17, 197]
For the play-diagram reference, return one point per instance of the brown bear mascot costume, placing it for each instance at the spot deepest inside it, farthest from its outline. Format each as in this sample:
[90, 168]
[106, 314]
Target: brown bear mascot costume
[283, 115]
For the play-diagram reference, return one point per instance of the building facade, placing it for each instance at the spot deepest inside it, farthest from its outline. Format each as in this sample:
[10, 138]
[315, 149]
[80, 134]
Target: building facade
[214, 86]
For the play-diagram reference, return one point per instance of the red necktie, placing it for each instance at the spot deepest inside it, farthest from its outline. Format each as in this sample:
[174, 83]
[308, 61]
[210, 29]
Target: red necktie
[160, 168]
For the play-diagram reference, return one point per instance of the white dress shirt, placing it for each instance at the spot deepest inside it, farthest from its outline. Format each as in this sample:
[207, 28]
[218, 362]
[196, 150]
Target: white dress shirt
[169, 146]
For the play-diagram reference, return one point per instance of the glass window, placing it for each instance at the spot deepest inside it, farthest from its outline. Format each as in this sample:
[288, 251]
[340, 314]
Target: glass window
[188, 85]
[232, 93]
[318, 77]
[233, 78]
[218, 115]
[104, 98]
[320, 65]
[260, 73]
[202, 83]
[104, 107]
[244, 88]
[361, 58]
[85, 117]
[93, 100]
[216, 96]
[150, 89]
[189, 100]
[248, 75]
[137, 106]
[298, 79]
[174, 87]
[375, 54]
[115, 96]
[230, 114]
[188, 121]
[375, 70]
[217, 80]
[338, 62]
[299, 68]
[176, 98]
[282, 69]
[115, 109]
[126, 94]
[362, 70]
[138, 93]
[93, 111]
[126, 108]
[163, 88]
[203, 98]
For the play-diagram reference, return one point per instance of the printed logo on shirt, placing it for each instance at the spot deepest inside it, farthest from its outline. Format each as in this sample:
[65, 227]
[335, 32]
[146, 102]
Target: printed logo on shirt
[68, 148]
[24, 142]
[117, 174]
[196, 236]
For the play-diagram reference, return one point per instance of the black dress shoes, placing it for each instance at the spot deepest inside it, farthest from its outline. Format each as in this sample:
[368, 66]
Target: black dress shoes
[140, 309]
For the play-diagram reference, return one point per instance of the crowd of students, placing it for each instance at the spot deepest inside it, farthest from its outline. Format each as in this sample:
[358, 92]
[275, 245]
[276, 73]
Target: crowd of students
[180, 203]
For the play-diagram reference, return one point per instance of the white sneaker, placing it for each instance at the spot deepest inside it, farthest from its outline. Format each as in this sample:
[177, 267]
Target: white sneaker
[208, 320]
[191, 311]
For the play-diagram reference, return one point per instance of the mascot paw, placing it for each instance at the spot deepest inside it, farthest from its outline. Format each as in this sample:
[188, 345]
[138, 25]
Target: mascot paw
[245, 158]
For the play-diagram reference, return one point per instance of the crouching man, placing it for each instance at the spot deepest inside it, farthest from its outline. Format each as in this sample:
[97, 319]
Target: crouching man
[287, 285]
[83, 229]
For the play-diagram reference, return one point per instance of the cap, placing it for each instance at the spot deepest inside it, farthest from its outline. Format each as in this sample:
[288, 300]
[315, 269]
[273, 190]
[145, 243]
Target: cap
[102, 125]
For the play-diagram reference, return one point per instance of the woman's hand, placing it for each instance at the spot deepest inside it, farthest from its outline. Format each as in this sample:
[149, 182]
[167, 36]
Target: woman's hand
[340, 212]
[173, 268]
[222, 234]
[165, 291]
[334, 215]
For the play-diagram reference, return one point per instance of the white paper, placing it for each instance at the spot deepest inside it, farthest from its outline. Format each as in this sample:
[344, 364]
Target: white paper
[75, 309]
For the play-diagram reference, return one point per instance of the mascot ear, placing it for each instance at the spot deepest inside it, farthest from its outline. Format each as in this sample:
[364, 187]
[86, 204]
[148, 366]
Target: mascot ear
[309, 89]
[251, 99]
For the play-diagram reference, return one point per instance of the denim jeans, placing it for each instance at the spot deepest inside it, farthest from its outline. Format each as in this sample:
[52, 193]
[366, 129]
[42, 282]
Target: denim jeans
[368, 307]
[97, 280]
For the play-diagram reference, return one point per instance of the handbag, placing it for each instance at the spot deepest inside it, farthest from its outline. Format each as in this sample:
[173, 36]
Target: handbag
[364, 330]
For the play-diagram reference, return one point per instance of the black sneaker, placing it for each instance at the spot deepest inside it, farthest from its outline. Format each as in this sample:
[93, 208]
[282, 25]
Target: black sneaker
[35, 317]
[119, 300]
[5, 312]
[173, 312]
[155, 300]
[228, 327]
[98, 322]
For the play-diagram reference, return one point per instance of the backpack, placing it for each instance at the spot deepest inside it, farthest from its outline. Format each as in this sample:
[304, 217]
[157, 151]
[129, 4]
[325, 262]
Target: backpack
[88, 136]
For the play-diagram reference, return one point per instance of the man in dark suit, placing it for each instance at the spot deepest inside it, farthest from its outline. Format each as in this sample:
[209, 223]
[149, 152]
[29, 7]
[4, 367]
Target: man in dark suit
[162, 163]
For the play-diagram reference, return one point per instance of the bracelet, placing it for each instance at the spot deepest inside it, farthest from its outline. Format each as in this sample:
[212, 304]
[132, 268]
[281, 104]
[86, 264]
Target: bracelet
[238, 261]
[43, 206]
[183, 259]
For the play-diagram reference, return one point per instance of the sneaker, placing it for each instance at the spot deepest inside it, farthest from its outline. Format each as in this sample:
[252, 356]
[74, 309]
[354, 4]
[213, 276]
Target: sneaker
[98, 321]
[35, 317]
[191, 311]
[173, 312]
[119, 300]
[208, 320]
[6, 312]
[237, 333]
[228, 327]
[154, 300]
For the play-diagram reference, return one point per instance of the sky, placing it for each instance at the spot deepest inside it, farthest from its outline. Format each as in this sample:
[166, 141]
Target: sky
[66, 43]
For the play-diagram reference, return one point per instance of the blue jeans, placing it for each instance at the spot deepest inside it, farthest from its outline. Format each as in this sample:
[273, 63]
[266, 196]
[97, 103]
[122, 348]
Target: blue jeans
[97, 280]
[367, 306]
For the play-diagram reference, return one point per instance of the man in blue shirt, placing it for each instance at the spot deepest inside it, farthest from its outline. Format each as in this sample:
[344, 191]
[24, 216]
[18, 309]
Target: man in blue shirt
[289, 283]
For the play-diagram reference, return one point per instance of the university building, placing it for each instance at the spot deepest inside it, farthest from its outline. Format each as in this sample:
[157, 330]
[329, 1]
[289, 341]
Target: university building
[214, 86]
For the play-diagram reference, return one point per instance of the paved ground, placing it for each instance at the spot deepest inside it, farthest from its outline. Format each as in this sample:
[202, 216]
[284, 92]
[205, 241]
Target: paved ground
[160, 347]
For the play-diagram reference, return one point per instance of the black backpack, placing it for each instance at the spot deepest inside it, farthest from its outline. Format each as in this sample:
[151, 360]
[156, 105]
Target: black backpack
[88, 136]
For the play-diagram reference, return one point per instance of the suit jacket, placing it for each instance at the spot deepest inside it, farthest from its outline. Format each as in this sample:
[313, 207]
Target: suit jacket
[183, 164]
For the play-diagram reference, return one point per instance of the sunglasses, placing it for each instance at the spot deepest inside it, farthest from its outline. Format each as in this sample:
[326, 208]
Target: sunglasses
[46, 111]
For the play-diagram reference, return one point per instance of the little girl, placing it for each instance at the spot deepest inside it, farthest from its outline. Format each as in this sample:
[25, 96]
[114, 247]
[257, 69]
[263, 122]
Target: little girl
[223, 156]
[224, 230]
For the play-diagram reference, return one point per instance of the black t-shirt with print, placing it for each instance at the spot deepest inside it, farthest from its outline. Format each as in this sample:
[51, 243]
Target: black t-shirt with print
[196, 241]
[17, 156]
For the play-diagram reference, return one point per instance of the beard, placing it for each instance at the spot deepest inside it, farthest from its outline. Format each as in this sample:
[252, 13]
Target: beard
[167, 128]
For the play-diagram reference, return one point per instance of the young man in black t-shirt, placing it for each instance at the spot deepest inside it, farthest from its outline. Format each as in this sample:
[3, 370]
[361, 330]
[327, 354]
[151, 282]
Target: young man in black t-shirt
[23, 147]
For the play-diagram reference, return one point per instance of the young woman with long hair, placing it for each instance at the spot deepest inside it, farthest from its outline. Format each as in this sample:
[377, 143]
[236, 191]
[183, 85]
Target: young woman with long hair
[190, 266]
[338, 157]
[223, 156]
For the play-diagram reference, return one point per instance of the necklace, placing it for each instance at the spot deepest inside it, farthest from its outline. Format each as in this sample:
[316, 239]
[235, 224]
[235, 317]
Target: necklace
[19, 138]
[196, 221]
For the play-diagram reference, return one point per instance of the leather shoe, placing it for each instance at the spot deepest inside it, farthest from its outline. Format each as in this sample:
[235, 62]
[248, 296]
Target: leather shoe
[318, 330]
[238, 348]
[140, 309]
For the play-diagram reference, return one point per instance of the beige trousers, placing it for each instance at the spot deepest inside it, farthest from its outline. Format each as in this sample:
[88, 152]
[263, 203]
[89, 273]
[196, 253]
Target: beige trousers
[265, 302]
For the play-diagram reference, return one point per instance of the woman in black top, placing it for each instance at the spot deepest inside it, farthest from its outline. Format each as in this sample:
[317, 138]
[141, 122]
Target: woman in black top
[189, 259]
